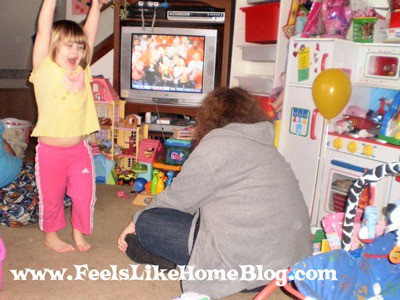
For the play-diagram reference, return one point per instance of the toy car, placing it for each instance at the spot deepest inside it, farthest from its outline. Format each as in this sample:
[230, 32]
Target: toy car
[126, 177]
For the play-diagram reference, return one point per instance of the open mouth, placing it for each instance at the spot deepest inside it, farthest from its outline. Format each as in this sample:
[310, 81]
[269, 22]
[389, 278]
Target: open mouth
[72, 61]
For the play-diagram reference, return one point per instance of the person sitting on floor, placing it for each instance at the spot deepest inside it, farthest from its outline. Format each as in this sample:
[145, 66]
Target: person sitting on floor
[235, 203]
[10, 165]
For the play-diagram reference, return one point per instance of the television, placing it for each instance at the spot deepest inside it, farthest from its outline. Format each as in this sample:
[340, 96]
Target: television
[167, 65]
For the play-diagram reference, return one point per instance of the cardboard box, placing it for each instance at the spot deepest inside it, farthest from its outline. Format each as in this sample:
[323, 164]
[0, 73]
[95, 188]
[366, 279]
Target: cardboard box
[143, 198]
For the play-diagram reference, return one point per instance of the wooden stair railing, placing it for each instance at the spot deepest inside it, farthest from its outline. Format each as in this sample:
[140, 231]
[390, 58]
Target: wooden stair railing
[103, 48]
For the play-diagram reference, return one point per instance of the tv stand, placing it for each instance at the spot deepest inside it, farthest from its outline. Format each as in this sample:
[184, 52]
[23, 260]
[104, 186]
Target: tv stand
[135, 108]
[223, 57]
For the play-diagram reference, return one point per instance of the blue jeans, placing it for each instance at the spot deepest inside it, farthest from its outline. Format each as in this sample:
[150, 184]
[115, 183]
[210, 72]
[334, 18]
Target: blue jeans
[165, 232]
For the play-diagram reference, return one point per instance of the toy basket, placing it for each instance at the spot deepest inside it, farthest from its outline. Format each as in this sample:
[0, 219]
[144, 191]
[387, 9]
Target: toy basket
[17, 133]
[363, 30]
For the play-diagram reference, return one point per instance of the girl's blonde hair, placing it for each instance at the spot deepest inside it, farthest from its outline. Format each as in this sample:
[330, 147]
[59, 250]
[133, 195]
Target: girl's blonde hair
[69, 31]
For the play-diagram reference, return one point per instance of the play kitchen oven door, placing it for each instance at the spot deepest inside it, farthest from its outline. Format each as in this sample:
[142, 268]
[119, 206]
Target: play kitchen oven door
[345, 160]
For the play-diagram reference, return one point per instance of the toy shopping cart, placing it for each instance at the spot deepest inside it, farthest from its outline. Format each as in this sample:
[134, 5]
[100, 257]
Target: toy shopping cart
[371, 272]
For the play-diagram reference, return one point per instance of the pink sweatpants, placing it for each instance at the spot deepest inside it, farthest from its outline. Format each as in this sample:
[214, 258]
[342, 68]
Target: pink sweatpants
[69, 170]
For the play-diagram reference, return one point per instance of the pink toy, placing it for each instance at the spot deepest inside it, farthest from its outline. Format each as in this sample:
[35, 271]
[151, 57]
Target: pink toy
[354, 110]
[103, 90]
[336, 15]
[150, 150]
[343, 126]
[2, 256]
[333, 223]
[311, 26]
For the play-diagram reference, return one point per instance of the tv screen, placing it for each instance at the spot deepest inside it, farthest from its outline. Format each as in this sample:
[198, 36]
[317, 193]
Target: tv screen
[167, 65]
[170, 63]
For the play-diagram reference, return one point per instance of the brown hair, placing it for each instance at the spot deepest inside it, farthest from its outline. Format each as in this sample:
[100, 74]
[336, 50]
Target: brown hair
[66, 30]
[227, 105]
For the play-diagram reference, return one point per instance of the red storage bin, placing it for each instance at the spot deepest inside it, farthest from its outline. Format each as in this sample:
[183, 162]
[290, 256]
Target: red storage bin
[262, 23]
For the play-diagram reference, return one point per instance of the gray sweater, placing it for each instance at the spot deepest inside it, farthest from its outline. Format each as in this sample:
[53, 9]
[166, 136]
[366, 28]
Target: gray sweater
[251, 207]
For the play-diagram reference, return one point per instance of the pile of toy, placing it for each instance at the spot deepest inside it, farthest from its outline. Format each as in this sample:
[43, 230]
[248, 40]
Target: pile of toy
[158, 163]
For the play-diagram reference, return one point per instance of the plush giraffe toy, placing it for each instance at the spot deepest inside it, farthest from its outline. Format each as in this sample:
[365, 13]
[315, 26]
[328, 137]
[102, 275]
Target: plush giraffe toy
[371, 176]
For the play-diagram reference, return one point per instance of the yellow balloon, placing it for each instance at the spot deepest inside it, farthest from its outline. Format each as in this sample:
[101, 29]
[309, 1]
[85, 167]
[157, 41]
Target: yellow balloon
[331, 91]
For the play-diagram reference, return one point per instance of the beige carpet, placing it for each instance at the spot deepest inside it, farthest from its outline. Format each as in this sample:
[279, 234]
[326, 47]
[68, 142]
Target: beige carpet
[25, 250]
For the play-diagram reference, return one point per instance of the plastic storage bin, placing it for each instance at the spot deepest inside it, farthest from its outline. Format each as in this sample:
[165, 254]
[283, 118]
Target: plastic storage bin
[17, 134]
[257, 84]
[177, 151]
[262, 23]
[259, 53]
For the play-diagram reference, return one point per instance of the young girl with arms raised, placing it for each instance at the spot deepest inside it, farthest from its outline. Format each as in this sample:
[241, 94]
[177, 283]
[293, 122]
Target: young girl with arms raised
[64, 163]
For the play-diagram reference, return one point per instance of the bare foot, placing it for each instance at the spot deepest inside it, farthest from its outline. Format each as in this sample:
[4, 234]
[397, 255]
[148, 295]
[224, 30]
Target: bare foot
[80, 240]
[52, 241]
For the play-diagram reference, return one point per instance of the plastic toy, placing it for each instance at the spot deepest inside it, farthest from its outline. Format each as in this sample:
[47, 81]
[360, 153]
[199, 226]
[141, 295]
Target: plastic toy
[103, 90]
[343, 126]
[311, 25]
[103, 168]
[336, 15]
[367, 231]
[288, 29]
[390, 123]
[160, 185]
[354, 110]
[147, 186]
[266, 104]
[139, 185]
[126, 176]
[177, 151]
[150, 150]
[139, 168]
[154, 182]
[301, 20]
[170, 175]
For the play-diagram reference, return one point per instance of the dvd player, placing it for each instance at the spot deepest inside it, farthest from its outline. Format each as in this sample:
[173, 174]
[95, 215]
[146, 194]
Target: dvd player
[196, 16]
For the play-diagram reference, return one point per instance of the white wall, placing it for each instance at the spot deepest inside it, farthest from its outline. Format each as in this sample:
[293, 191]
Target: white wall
[17, 28]
[18, 24]
[104, 66]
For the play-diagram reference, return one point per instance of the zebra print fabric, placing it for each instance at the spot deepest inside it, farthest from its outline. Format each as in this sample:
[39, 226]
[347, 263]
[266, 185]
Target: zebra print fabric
[371, 176]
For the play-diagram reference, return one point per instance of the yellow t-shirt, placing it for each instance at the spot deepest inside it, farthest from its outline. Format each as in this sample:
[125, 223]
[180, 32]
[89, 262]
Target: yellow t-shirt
[64, 100]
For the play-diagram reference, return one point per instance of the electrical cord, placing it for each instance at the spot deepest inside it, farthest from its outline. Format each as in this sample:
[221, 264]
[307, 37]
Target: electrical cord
[141, 4]
[158, 118]
[155, 4]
